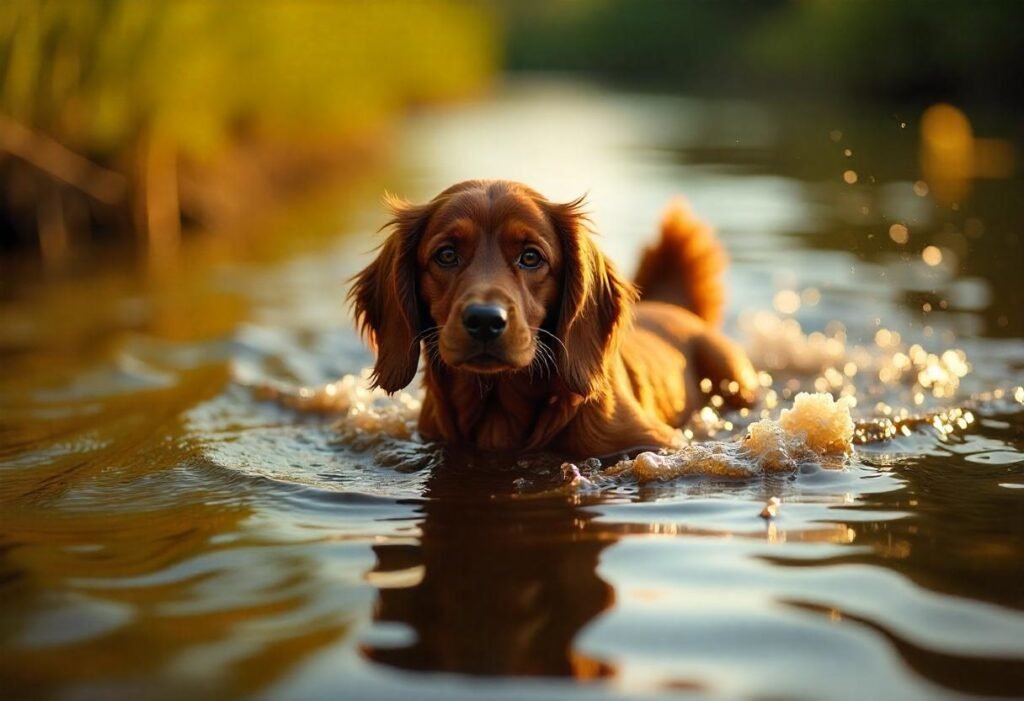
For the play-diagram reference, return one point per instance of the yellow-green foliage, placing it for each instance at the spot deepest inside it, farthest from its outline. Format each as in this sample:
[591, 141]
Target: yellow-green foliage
[95, 74]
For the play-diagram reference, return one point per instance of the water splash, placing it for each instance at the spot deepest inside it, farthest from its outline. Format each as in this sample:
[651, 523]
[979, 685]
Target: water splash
[899, 390]
[817, 427]
[366, 417]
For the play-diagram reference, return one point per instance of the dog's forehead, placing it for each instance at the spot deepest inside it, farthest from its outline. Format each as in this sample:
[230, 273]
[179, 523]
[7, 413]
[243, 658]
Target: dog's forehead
[491, 210]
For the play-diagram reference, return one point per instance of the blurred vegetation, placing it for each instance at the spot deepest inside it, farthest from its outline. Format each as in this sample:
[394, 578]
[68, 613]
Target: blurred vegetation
[918, 50]
[682, 44]
[131, 118]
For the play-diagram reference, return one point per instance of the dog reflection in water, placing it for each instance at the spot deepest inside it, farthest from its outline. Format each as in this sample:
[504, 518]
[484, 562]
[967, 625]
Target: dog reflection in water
[500, 586]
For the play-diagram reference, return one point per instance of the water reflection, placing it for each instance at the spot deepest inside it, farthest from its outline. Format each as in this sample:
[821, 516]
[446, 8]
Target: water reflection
[494, 587]
[964, 673]
[961, 539]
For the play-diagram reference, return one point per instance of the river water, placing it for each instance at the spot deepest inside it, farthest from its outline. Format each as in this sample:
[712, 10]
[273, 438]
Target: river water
[168, 532]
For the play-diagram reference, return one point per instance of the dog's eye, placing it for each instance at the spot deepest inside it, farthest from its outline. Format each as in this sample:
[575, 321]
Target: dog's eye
[446, 257]
[530, 258]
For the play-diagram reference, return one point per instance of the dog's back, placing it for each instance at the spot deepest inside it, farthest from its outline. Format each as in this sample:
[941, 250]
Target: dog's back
[675, 344]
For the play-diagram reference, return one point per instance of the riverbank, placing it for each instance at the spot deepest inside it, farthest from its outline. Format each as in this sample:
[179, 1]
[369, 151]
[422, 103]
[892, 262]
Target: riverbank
[137, 123]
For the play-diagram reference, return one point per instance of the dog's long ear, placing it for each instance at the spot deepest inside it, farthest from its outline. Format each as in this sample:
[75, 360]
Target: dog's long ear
[385, 299]
[595, 302]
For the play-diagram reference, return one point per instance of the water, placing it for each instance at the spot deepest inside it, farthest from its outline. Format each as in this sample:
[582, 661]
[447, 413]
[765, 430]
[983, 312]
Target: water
[167, 532]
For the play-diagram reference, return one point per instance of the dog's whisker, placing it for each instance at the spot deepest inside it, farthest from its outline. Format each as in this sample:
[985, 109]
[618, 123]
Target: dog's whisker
[426, 336]
[552, 336]
[435, 358]
[540, 359]
[545, 351]
[549, 350]
[430, 338]
[426, 333]
[552, 362]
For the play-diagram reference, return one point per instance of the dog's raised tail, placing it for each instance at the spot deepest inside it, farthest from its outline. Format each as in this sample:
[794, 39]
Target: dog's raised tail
[686, 266]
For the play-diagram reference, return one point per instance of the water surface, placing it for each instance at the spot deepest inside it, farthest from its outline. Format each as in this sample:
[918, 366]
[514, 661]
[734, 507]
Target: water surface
[167, 533]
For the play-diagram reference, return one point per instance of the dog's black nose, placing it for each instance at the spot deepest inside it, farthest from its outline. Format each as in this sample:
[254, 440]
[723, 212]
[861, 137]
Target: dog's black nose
[484, 322]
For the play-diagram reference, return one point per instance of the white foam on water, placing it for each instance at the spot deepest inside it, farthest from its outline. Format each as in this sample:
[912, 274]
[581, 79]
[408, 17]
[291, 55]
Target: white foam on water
[817, 426]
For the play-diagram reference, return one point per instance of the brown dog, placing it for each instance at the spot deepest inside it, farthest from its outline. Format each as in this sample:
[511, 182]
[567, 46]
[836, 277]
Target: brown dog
[532, 338]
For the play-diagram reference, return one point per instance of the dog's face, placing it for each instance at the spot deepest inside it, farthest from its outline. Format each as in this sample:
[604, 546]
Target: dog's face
[485, 274]
[490, 267]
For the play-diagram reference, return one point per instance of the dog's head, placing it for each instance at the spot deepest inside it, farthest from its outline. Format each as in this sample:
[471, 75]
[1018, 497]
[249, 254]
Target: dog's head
[493, 278]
